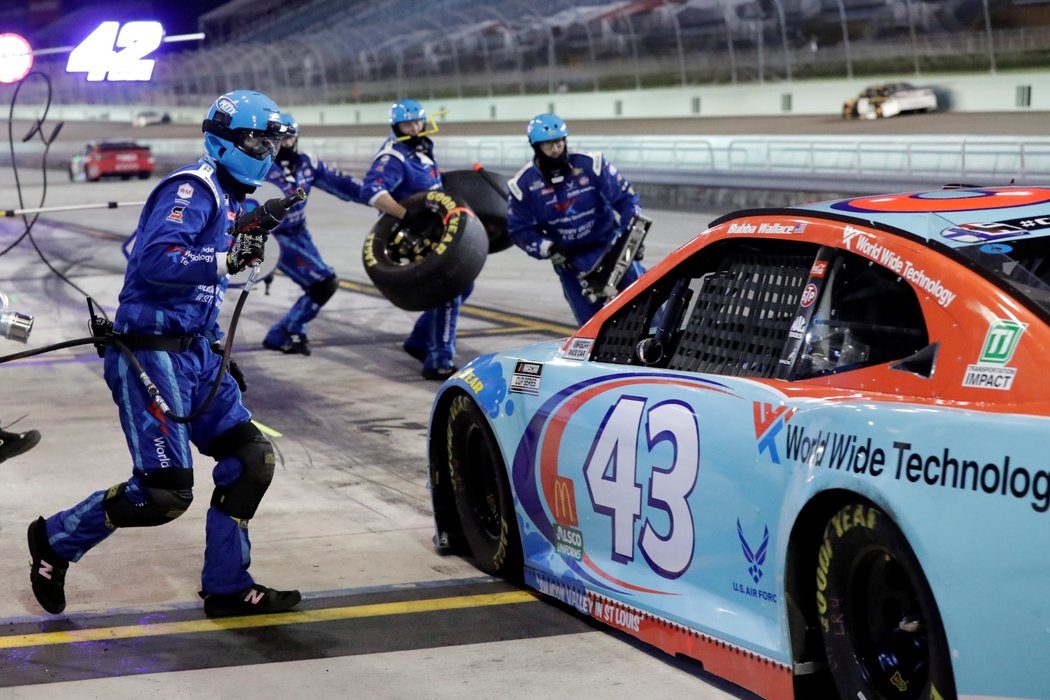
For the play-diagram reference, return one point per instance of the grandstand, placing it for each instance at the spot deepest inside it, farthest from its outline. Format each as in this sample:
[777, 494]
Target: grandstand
[339, 51]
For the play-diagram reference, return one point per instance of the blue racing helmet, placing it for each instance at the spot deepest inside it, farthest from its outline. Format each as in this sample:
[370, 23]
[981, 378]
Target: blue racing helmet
[243, 133]
[291, 126]
[546, 127]
[406, 111]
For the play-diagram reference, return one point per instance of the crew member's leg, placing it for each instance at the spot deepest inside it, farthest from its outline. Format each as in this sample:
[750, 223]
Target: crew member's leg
[160, 488]
[243, 471]
[302, 262]
[440, 330]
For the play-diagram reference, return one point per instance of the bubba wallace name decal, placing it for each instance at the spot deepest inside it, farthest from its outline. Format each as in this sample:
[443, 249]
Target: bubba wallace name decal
[942, 468]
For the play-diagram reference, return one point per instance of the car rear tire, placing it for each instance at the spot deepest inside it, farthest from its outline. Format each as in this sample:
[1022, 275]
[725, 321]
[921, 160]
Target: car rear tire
[480, 191]
[880, 625]
[418, 271]
[481, 490]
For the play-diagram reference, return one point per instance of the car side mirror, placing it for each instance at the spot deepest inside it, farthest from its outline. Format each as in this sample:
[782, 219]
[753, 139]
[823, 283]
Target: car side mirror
[920, 363]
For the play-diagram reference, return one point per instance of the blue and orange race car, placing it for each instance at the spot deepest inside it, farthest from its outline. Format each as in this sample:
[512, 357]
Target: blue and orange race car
[807, 449]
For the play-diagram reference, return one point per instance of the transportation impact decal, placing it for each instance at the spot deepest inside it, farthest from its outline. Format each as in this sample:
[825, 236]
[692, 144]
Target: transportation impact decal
[991, 371]
[947, 200]
[635, 434]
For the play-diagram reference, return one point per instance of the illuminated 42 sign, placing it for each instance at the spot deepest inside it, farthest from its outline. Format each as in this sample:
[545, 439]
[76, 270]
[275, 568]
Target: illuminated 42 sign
[115, 52]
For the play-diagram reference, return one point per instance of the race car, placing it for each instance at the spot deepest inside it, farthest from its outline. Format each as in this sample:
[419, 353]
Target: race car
[808, 449]
[123, 159]
[149, 118]
[888, 100]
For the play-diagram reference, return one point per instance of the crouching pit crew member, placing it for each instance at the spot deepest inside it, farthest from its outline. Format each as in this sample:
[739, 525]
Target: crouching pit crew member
[176, 277]
[569, 207]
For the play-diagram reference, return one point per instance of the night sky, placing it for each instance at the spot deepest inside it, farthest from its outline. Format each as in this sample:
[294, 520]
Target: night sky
[79, 17]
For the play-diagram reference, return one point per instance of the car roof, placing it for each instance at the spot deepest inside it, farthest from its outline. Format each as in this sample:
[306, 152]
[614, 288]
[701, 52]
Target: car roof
[116, 145]
[926, 215]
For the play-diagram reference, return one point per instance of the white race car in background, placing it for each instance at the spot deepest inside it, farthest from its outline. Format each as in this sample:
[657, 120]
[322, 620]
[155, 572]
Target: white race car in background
[888, 100]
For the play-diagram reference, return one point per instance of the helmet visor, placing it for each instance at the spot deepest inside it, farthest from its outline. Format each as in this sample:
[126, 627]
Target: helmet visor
[258, 144]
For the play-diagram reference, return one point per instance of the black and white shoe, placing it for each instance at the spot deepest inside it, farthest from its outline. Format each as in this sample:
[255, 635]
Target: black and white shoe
[47, 570]
[256, 600]
[14, 444]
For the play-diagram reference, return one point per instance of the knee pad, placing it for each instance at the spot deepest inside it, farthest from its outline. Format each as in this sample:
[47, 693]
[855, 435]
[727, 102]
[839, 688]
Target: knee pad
[246, 443]
[322, 291]
[158, 497]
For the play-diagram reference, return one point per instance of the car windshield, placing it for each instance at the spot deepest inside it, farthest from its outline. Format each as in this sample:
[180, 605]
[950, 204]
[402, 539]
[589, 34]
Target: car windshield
[1022, 264]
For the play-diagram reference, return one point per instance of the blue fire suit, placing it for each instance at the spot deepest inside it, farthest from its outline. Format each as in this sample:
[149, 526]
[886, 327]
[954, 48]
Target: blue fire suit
[300, 259]
[579, 218]
[173, 289]
[402, 171]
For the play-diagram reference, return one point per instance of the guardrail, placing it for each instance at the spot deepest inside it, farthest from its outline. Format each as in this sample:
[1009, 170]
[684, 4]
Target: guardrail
[812, 163]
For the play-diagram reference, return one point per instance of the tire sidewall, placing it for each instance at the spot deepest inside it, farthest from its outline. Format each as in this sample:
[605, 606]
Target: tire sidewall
[852, 533]
[447, 269]
[500, 556]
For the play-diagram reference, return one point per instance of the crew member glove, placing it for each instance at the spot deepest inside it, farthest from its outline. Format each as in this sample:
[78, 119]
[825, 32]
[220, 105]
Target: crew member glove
[247, 250]
[418, 220]
[233, 368]
[238, 376]
[551, 252]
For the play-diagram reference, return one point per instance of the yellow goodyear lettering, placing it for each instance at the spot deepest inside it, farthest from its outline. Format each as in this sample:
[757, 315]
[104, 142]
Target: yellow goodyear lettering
[823, 563]
[370, 258]
[459, 404]
[472, 381]
[441, 198]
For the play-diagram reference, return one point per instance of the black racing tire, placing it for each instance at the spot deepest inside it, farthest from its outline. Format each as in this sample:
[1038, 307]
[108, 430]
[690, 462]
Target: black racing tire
[486, 194]
[144, 175]
[481, 490]
[422, 270]
[882, 632]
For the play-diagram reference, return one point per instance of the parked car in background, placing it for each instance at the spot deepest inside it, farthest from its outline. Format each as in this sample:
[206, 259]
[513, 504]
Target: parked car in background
[809, 445]
[123, 159]
[147, 118]
[888, 100]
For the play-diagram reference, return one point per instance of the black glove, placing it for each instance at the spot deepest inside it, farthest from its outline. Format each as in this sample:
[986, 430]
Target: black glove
[556, 256]
[238, 376]
[233, 368]
[418, 220]
[247, 250]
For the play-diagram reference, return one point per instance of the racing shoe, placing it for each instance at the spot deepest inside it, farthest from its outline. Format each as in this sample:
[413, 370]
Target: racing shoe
[439, 374]
[47, 571]
[288, 343]
[14, 444]
[256, 600]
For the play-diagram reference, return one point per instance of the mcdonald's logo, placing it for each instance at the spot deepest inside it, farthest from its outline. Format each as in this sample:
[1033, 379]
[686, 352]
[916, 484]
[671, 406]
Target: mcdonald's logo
[564, 506]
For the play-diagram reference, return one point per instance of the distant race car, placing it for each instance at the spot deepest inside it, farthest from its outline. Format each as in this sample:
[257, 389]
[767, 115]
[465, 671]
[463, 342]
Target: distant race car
[148, 118]
[809, 449]
[888, 100]
[123, 159]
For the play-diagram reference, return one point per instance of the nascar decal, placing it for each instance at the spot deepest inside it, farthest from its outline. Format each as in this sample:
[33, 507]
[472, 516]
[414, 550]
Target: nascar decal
[866, 244]
[990, 371]
[948, 200]
[526, 378]
[642, 464]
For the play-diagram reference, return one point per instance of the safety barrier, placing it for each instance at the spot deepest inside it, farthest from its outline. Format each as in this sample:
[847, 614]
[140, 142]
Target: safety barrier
[830, 164]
